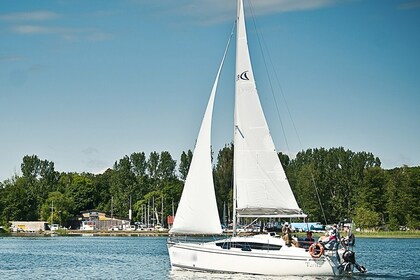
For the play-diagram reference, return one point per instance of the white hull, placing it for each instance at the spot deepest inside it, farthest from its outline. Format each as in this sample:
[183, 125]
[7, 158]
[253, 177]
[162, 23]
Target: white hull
[286, 261]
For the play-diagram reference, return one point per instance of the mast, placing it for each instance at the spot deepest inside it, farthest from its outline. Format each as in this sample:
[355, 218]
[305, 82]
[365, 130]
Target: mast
[112, 209]
[234, 206]
[130, 211]
[148, 213]
[153, 211]
[224, 214]
[143, 207]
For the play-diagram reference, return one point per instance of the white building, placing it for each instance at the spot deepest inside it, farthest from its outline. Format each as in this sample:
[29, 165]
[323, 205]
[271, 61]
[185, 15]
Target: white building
[31, 226]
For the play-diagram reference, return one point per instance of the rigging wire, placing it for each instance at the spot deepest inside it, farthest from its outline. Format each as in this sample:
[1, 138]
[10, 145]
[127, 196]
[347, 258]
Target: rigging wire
[319, 199]
[268, 75]
[260, 38]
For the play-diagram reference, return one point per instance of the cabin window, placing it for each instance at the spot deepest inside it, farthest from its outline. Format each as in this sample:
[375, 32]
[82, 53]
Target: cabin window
[248, 246]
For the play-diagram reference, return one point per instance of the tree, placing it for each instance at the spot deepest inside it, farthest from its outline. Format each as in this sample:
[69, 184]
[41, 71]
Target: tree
[372, 195]
[57, 208]
[30, 166]
[102, 183]
[40, 178]
[223, 178]
[2, 221]
[336, 175]
[122, 185]
[18, 203]
[366, 218]
[139, 164]
[413, 211]
[152, 165]
[284, 159]
[348, 184]
[402, 198]
[172, 191]
[185, 163]
[307, 200]
[166, 167]
[82, 192]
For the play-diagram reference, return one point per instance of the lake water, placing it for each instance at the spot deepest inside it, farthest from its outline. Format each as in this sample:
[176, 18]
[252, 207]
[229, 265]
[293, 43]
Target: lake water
[147, 258]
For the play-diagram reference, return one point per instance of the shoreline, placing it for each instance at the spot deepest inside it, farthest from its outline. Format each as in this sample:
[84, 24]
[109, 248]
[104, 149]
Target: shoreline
[388, 234]
[84, 233]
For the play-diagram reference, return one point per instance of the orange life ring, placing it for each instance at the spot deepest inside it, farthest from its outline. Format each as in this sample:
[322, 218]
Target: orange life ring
[316, 250]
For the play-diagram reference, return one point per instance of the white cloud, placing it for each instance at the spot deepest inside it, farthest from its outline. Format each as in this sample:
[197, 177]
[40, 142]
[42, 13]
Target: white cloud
[100, 36]
[92, 161]
[66, 33]
[97, 166]
[30, 16]
[27, 23]
[11, 57]
[275, 6]
[31, 29]
[217, 11]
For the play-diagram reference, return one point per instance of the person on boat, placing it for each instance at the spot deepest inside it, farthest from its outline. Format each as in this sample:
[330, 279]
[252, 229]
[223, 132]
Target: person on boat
[331, 240]
[324, 238]
[347, 240]
[287, 234]
[295, 241]
[335, 232]
[309, 238]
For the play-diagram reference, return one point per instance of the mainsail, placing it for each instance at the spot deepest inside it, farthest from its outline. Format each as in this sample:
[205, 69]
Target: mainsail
[261, 185]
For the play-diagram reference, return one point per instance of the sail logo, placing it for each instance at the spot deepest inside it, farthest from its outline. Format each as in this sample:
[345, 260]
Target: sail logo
[243, 76]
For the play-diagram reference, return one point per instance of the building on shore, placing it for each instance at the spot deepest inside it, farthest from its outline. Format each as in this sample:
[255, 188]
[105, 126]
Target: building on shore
[98, 220]
[28, 226]
[170, 221]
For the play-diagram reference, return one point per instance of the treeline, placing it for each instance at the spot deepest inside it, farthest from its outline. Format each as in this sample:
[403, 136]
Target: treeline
[330, 186]
[353, 186]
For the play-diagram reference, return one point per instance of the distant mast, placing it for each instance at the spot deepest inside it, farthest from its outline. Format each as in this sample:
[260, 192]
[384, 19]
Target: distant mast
[130, 211]
[52, 212]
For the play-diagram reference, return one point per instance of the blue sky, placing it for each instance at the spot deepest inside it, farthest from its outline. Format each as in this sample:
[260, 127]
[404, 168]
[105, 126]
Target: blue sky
[83, 83]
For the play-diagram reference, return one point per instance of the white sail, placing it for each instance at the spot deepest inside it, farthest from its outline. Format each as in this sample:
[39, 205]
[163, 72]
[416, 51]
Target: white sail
[197, 211]
[261, 185]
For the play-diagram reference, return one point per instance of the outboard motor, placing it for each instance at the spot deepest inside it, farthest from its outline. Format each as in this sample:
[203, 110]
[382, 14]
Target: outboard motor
[349, 258]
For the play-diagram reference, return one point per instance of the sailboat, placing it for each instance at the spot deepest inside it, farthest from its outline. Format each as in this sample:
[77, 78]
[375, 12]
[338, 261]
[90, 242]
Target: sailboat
[261, 190]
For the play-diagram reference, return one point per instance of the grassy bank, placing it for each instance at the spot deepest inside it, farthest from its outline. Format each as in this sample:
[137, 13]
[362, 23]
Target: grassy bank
[376, 234]
[389, 234]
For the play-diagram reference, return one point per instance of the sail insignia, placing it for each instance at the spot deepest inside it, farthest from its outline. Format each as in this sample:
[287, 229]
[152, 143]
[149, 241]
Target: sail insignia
[243, 76]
